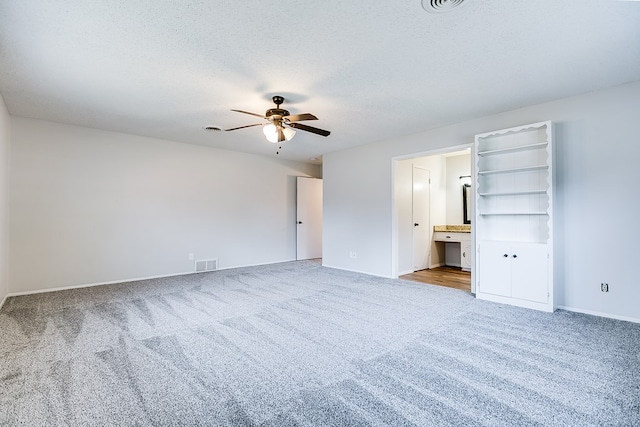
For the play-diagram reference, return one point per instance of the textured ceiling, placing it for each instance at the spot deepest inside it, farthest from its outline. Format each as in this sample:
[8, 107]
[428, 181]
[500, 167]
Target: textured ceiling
[369, 70]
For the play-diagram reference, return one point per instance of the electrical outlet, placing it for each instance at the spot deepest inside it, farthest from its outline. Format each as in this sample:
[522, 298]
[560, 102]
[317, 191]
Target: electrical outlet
[191, 257]
[353, 255]
[604, 287]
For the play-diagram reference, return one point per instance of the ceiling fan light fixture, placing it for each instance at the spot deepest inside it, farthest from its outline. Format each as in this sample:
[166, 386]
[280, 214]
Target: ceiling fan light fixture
[281, 125]
[288, 133]
[270, 132]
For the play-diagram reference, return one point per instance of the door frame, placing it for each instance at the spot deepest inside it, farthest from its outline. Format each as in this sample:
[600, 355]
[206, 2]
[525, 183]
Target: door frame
[395, 226]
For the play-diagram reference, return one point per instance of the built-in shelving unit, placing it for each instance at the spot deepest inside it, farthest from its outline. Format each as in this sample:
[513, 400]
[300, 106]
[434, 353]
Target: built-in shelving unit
[514, 210]
[513, 193]
[514, 213]
[513, 149]
[511, 170]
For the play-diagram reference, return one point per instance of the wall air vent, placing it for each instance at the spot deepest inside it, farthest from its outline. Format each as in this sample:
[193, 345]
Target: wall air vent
[440, 6]
[206, 265]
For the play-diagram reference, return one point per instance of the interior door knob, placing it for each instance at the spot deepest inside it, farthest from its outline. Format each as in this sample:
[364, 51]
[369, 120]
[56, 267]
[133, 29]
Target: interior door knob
[299, 222]
[415, 224]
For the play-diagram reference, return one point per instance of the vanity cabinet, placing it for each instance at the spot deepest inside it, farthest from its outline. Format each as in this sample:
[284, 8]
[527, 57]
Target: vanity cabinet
[514, 216]
[465, 253]
[447, 236]
[463, 239]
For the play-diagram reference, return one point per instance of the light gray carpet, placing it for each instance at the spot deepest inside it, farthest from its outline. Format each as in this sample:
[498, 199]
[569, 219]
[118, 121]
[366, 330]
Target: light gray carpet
[299, 344]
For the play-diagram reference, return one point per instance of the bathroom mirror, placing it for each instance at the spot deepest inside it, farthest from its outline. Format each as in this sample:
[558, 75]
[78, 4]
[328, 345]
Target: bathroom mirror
[466, 203]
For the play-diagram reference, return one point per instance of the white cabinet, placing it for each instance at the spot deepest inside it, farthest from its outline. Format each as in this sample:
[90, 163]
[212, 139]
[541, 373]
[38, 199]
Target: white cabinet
[464, 241]
[514, 216]
[515, 270]
[465, 253]
[447, 236]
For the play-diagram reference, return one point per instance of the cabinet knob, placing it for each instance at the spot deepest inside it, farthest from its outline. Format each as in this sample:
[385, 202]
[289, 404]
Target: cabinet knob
[505, 255]
[515, 256]
[464, 254]
[415, 224]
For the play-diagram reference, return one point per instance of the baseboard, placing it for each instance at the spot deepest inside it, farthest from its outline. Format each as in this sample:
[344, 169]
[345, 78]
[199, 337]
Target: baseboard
[89, 285]
[599, 314]
[358, 271]
[3, 301]
[402, 273]
[137, 279]
[436, 265]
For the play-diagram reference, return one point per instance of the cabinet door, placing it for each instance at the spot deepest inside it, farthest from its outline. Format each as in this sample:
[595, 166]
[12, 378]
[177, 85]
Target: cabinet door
[465, 254]
[495, 268]
[529, 272]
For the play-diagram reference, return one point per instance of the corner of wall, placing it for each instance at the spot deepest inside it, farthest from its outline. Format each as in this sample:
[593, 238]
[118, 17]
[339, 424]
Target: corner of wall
[4, 200]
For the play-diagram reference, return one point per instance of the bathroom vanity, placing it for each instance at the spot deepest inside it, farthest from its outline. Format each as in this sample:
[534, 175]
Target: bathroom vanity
[453, 243]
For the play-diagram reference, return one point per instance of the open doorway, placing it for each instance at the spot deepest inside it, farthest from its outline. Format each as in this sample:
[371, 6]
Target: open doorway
[445, 262]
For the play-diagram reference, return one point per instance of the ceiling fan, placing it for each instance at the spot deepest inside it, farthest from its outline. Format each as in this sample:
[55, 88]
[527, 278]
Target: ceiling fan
[280, 124]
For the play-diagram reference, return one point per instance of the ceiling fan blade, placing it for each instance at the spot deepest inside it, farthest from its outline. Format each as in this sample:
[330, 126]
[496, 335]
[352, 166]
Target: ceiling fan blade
[242, 127]
[280, 134]
[300, 117]
[311, 129]
[251, 114]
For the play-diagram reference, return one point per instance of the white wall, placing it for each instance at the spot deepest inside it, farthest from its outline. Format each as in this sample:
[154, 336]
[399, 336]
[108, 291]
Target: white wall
[4, 200]
[90, 206]
[596, 224]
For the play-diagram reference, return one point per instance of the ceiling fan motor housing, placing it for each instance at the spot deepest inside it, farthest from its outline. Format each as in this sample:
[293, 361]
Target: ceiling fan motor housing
[276, 112]
[277, 99]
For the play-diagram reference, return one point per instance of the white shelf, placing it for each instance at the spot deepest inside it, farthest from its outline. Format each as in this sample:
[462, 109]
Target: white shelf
[513, 193]
[512, 170]
[512, 213]
[514, 149]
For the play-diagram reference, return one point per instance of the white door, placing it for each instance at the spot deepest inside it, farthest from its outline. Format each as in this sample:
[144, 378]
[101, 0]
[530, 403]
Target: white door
[309, 218]
[421, 226]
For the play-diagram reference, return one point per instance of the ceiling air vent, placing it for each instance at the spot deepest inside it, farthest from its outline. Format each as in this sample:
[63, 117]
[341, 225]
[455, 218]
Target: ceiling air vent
[440, 6]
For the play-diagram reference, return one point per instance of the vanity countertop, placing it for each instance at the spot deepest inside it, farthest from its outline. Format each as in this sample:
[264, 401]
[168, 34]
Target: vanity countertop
[453, 228]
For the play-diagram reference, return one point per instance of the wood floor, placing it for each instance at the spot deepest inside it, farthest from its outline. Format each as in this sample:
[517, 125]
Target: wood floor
[451, 277]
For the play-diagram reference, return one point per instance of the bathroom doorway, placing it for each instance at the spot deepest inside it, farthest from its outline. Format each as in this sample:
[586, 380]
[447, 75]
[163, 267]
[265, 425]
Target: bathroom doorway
[449, 170]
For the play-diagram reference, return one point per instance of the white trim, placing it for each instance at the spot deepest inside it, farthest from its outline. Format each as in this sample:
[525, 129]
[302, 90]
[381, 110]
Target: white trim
[402, 273]
[89, 285]
[599, 314]
[358, 271]
[137, 279]
[4, 300]
[515, 302]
